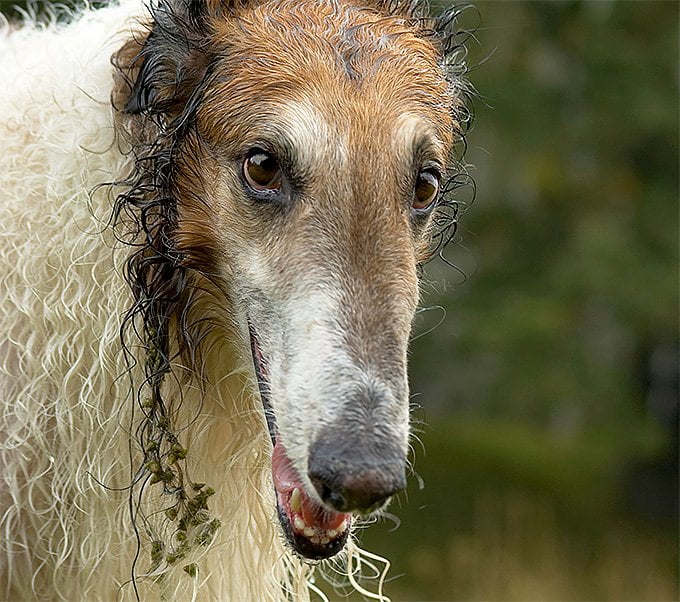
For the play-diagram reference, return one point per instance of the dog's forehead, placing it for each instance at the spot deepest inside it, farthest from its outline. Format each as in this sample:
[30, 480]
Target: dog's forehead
[356, 66]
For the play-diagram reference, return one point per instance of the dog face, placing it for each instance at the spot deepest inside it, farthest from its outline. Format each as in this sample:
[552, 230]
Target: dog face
[305, 182]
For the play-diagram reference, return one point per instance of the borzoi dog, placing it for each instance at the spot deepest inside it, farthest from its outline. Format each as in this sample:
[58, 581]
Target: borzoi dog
[212, 222]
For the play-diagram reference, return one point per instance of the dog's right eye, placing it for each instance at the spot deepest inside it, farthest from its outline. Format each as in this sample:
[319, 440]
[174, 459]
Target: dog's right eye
[426, 190]
[262, 172]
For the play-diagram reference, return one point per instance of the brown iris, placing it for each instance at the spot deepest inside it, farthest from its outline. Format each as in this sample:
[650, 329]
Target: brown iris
[427, 188]
[262, 171]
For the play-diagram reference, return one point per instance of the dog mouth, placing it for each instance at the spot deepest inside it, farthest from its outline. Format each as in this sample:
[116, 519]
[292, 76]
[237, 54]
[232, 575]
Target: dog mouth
[313, 530]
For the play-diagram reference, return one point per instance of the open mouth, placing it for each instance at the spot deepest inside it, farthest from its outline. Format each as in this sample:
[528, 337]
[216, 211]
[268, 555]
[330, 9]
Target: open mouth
[313, 530]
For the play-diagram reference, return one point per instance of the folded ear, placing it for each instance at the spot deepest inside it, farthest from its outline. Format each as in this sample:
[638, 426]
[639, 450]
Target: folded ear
[166, 71]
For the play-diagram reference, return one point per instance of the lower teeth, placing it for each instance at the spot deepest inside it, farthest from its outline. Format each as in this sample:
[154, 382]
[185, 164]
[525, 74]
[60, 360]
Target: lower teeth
[314, 534]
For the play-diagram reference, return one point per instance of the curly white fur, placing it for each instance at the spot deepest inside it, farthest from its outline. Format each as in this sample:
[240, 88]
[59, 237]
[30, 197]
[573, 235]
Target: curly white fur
[66, 530]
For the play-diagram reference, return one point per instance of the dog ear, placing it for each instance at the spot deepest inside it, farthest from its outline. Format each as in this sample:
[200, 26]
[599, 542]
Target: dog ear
[171, 62]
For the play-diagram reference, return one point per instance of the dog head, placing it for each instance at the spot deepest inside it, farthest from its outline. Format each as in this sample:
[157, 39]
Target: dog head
[309, 142]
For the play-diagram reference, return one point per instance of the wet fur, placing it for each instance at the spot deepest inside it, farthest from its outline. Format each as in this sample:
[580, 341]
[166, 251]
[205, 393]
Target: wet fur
[120, 346]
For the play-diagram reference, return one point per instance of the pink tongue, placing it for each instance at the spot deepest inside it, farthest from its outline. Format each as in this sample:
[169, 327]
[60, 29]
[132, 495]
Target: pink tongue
[286, 479]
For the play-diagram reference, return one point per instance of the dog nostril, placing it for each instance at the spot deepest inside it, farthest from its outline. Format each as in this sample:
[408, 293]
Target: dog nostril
[356, 472]
[361, 492]
[330, 495]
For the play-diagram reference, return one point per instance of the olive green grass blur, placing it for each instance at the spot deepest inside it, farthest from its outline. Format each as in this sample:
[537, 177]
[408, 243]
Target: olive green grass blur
[545, 380]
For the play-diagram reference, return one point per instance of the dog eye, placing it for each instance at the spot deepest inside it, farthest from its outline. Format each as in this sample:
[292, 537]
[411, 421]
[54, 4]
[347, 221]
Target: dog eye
[262, 171]
[427, 188]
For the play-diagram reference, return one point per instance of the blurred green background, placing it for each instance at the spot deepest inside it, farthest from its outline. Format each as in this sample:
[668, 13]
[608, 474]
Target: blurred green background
[546, 380]
[549, 391]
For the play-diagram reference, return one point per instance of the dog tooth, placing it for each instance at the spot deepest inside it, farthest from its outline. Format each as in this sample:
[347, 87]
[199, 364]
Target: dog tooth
[324, 540]
[309, 531]
[296, 500]
[343, 526]
[299, 524]
[331, 533]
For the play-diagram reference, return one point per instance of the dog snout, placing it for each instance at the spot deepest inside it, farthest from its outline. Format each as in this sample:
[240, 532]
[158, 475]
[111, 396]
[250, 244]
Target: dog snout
[356, 478]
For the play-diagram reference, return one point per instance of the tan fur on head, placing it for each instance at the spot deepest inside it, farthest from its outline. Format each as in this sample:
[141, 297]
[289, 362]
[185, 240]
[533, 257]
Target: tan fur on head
[102, 448]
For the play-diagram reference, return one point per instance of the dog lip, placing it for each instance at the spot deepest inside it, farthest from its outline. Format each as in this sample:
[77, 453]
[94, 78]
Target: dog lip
[262, 382]
[304, 546]
[301, 544]
[314, 531]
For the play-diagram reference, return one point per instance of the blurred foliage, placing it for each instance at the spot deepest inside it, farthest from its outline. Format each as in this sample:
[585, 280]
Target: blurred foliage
[575, 155]
[548, 381]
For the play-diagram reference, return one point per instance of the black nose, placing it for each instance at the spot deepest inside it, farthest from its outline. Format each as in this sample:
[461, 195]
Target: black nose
[356, 478]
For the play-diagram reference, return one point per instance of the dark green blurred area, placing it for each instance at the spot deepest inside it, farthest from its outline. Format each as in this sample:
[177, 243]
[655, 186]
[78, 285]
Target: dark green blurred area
[550, 389]
[548, 393]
